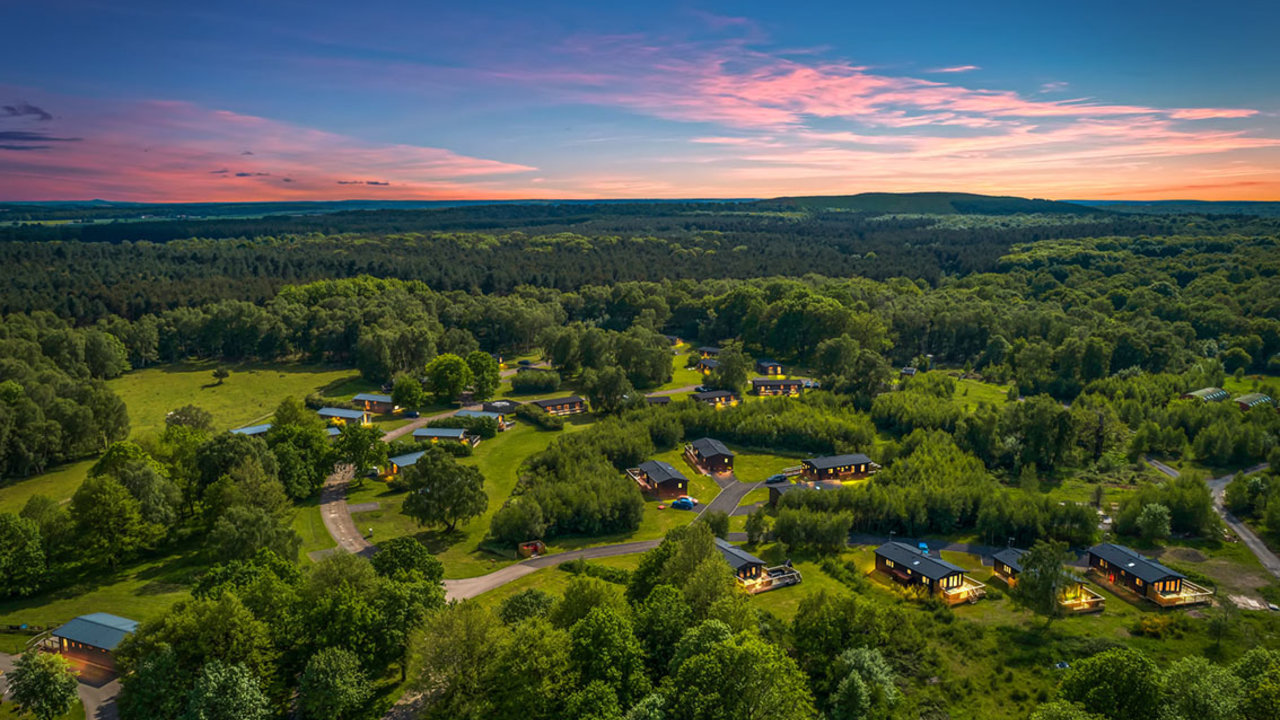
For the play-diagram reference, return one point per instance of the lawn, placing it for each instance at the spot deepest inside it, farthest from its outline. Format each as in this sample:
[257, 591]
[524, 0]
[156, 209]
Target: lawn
[308, 523]
[8, 711]
[1250, 383]
[251, 393]
[138, 591]
[754, 466]
[551, 580]
[59, 484]
[970, 393]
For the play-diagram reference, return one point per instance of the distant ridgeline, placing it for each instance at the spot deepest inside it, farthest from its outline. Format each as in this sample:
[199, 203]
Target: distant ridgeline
[134, 268]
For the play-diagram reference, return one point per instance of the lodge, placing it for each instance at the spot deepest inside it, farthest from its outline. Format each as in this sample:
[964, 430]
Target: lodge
[572, 405]
[709, 456]
[1125, 569]
[912, 567]
[658, 399]
[707, 365]
[376, 403]
[907, 372]
[717, 398]
[442, 434]
[1076, 598]
[505, 408]
[253, 430]
[505, 420]
[1252, 400]
[342, 416]
[768, 367]
[659, 479]
[92, 638]
[750, 571]
[776, 386]
[400, 462]
[838, 467]
[1207, 395]
[777, 491]
[708, 351]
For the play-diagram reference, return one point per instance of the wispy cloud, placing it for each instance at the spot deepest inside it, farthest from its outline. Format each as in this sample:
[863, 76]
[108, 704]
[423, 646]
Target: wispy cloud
[955, 69]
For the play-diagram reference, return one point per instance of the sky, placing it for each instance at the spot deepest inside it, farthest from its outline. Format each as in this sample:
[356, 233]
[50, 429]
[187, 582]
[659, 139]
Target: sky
[164, 101]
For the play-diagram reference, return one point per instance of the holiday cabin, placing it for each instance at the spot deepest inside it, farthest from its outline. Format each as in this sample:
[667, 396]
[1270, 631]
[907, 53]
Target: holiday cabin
[776, 386]
[376, 403]
[838, 467]
[91, 639]
[768, 367]
[709, 456]
[717, 399]
[572, 405]
[1123, 568]
[253, 430]
[659, 479]
[343, 416]
[910, 566]
[442, 434]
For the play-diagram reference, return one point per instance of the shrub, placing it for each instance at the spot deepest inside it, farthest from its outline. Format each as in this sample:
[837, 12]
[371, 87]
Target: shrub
[535, 381]
[539, 417]
[485, 428]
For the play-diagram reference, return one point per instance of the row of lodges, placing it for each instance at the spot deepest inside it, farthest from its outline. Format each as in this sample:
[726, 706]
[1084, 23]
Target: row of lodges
[1246, 401]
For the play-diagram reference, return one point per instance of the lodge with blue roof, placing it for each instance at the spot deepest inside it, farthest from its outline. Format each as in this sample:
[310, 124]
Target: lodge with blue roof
[400, 462]
[342, 416]
[93, 638]
[438, 434]
[253, 430]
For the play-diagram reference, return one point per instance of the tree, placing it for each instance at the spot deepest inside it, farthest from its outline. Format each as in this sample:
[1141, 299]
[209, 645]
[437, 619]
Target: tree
[1043, 579]
[604, 648]
[519, 520]
[192, 416]
[1259, 673]
[596, 701]
[868, 686]
[361, 447]
[661, 620]
[458, 657]
[226, 692]
[221, 374]
[741, 676]
[404, 559]
[525, 605]
[530, 677]
[1119, 684]
[108, 520]
[731, 370]
[584, 594]
[22, 564]
[1196, 689]
[447, 376]
[608, 389]
[224, 452]
[718, 521]
[443, 491]
[759, 523]
[1153, 522]
[485, 374]
[43, 684]
[1063, 710]
[104, 354]
[332, 686]
[242, 531]
[304, 457]
[406, 391]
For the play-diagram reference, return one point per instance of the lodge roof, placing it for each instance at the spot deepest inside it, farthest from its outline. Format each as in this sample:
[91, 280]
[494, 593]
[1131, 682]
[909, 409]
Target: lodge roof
[408, 459]
[713, 395]
[775, 381]
[373, 397]
[709, 363]
[765, 362]
[343, 413]
[100, 630]
[1253, 399]
[501, 406]
[709, 349]
[1137, 565]
[710, 447]
[909, 556]
[657, 399]
[440, 432]
[252, 430]
[1012, 557]
[1210, 394]
[659, 472]
[736, 556]
[553, 402]
[478, 414]
[833, 461]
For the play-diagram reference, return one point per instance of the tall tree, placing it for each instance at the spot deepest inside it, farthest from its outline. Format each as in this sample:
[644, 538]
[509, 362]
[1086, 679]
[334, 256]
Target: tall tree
[333, 685]
[108, 520]
[226, 692]
[608, 390]
[485, 374]
[43, 684]
[1119, 684]
[443, 491]
[1043, 579]
[361, 447]
[447, 376]
[22, 564]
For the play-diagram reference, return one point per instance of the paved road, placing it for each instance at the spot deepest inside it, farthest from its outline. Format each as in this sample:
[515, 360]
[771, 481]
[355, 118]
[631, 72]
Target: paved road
[98, 698]
[673, 391]
[336, 515]
[415, 424]
[1218, 487]
[731, 493]
[512, 371]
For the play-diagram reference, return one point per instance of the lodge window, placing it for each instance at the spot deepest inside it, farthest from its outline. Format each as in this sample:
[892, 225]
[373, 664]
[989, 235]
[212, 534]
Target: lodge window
[888, 563]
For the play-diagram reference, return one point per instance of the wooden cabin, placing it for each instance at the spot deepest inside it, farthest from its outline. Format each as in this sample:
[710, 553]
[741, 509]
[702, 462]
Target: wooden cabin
[572, 405]
[343, 416]
[504, 409]
[659, 479]
[746, 567]
[92, 639]
[505, 422]
[706, 366]
[709, 456]
[1252, 400]
[907, 372]
[400, 462]
[658, 399]
[708, 351]
[776, 386]
[717, 399]
[1124, 568]
[909, 566]
[253, 430]
[768, 367]
[376, 403]
[1007, 564]
[1207, 395]
[443, 434]
[838, 467]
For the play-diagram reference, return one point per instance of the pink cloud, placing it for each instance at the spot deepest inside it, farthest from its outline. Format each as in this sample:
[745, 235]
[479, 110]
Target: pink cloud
[955, 69]
[1211, 113]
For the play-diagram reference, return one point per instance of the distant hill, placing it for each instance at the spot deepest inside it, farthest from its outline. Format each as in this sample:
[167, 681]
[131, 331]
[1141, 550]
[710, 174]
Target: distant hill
[931, 203]
[1187, 207]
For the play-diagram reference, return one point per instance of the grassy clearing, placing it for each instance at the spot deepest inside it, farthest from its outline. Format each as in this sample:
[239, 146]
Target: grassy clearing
[308, 523]
[251, 393]
[551, 580]
[59, 484]
[754, 466]
[1250, 383]
[970, 393]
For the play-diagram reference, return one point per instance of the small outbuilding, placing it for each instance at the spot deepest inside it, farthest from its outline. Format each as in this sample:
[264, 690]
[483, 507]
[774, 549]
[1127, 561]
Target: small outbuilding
[1249, 401]
[768, 367]
[1207, 395]
[400, 462]
[658, 399]
[93, 638]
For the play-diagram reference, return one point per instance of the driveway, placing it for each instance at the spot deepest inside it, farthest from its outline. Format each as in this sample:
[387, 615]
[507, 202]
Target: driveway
[731, 493]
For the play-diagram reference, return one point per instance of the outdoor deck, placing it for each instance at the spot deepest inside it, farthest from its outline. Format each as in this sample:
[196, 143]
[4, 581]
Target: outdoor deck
[772, 579]
[1082, 599]
[970, 591]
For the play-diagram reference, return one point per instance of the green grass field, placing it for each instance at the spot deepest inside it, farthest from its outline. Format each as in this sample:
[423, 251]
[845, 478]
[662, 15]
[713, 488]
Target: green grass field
[9, 712]
[969, 393]
[551, 580]
[59, 484]
[754, 466]
[251, 393]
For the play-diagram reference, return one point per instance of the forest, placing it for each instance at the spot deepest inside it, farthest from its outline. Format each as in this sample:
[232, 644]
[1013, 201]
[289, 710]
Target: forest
[1050, 356]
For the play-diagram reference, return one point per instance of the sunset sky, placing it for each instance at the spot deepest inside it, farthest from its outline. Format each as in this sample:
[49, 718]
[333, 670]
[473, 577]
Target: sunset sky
[317, 100]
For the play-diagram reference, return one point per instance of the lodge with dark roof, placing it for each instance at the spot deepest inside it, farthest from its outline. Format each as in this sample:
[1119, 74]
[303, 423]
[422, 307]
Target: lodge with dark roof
[708, 351]
[505, 410]
[909, 566]
[776, 491]
[1076, 597]
[658, 399]
[1007, 564]
[768, 367]
[659, 479]
[376, 403]
[776, 386]
[1124, 568]
[93, 638]
[572, 405]
[504, 421]
[709, 456]
[838, 467]
[707, 365]
[717, 398]
[751, 572]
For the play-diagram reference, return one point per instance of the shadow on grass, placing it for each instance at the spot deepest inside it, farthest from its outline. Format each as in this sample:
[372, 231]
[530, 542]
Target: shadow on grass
[438, 541]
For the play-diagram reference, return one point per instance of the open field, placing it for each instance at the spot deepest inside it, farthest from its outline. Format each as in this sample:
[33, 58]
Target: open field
[251, 393]
[971, 393]
[59, 484]
[551, 580]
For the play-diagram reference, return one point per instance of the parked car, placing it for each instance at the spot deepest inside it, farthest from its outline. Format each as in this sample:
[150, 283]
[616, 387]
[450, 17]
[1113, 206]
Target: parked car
[924, 548]
[411, 413]
[526, 363]
[702, 388]
[684, 503]
[774, 479]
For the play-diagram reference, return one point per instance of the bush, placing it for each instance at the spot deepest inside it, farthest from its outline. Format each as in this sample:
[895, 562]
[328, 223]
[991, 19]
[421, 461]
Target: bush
[539, 417]
[580, 566]
[1159, 626]
[485, 428]
[535, 381]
